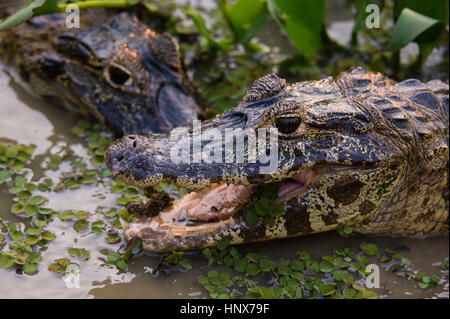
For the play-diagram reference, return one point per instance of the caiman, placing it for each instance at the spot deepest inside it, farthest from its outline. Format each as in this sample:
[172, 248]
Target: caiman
[358, 150]
[114, 68]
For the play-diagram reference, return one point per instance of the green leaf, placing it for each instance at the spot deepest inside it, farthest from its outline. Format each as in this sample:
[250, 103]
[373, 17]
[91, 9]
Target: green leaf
[369, 249]
[17, 236]
[247, 18]
[31, 210]
[16, 208]
[85, 254]
[121, 264]
[49, 6]
[37, 200]
[113, 238]
[203, 280]
[301, 21]
[253, 269]
[39, 222]
[251, 218]
[223, 243]
[412, 26]
[297, 265]
[31, 240]
[327, 289]
[80, 225]
[5, 175]
[33, 231]
[6, 262]
[113, 257]
[81, 214]
[267, 293]
[349, 293]
[35, 257]
[45, 211]
[74, 252]
[254, 257]
[66, 215]
[240, 265]
[340, 274]
[266, 265]
[47, 235]
[185, 265]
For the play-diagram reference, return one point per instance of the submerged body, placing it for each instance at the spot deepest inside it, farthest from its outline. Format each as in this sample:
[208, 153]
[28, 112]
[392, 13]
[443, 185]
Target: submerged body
[359, 150]
[113, 68]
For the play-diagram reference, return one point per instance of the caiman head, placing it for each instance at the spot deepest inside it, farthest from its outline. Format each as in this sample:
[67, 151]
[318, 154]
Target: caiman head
[336, 161]
[117, 69]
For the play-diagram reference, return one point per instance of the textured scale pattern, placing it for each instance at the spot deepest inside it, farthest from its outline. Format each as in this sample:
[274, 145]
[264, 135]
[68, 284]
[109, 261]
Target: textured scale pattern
[378, 151]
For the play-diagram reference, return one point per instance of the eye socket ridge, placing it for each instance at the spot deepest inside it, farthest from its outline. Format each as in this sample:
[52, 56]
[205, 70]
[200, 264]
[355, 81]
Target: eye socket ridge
[288, 124]
[75, 49]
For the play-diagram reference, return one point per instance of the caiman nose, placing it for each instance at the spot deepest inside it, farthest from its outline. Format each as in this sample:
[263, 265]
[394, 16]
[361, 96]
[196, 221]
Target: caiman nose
[129, 147]
[134, 143]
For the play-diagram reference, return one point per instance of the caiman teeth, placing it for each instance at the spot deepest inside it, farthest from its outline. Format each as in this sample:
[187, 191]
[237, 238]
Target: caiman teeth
[214, 205]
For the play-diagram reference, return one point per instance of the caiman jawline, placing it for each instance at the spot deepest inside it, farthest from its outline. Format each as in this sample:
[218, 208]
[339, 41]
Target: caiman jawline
[197, 214]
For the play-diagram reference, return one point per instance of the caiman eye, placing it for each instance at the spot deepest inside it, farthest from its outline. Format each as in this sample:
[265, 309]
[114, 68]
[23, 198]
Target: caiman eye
[287, 125]
[117, 76]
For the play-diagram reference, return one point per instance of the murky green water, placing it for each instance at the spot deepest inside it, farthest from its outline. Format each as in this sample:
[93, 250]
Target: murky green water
[28, 119]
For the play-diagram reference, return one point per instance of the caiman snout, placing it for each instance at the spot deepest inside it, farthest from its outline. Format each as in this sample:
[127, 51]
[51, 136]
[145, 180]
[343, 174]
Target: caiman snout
[133, 149]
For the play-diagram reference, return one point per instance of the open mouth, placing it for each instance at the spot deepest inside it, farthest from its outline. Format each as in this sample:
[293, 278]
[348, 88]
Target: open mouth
[201, 213]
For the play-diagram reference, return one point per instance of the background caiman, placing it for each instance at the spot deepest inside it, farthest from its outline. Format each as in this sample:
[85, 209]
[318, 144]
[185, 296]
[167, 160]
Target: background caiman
[358, 150]
[114, 68]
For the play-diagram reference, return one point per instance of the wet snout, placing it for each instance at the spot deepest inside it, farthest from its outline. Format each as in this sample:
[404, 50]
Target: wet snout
[127, 153]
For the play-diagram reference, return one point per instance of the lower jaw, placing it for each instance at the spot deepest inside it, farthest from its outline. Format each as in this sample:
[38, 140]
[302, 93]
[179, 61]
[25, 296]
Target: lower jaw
[182, 222]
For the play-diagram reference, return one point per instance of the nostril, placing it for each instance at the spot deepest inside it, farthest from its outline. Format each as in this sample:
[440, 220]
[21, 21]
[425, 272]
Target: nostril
[132, 137]
[120, 158]
[134, 144]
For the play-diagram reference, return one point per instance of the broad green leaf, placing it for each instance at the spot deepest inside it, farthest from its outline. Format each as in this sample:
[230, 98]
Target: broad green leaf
[301, 20]
[412, 26]
[369, 249]
[80, 225]
[47, 235]
[113, 257]
[6, 261]
[327, 289]
[29, 268]
[35, 257]
[17, 236]
[22, 14]
[247, 18]
[437, 9]
[37, 200]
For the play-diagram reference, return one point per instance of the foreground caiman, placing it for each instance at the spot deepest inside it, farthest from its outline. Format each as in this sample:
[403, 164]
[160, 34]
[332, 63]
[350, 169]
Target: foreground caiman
[114, 68]
[358, 150]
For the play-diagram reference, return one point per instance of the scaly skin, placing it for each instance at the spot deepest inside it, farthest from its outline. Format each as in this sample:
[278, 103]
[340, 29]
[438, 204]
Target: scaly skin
[378, 151]
[114, 68]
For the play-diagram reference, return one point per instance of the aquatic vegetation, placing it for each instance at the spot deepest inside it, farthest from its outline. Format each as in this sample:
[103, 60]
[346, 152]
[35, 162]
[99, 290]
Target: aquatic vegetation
[301, 277]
